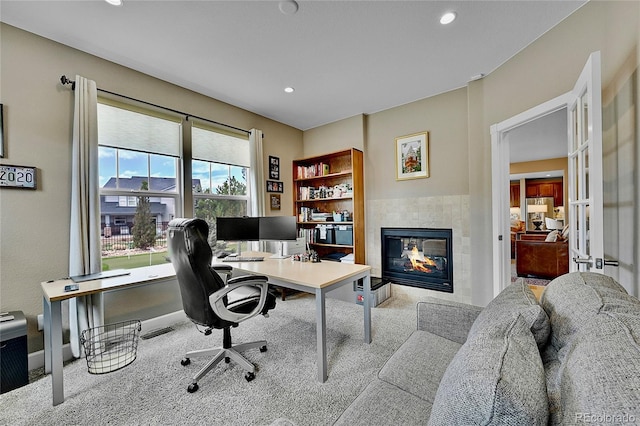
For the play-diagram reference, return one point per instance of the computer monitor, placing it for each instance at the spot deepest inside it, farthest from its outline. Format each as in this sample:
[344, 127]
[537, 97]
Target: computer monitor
[238, 229]
[278, 228]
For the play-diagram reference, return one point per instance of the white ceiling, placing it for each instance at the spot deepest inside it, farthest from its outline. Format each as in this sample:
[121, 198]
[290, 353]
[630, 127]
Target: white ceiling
[343, 58]
[541, 139]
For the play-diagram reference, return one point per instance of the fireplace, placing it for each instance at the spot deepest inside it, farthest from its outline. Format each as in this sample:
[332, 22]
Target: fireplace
[418, 257]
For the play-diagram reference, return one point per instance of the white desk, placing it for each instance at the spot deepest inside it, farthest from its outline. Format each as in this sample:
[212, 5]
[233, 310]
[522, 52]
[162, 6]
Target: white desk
[315, 278]
[54, 294]
[318, 279]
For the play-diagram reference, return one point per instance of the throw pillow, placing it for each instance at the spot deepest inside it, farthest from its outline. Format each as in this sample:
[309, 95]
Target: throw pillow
[516, 299]
[496, 378]
[552, 236]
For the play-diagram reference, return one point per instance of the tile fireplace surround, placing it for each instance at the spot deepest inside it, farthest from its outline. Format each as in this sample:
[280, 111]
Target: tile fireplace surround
[451, 211]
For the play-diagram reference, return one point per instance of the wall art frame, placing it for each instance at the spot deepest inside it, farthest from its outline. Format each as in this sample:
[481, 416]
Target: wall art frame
[274, 168]
[273, 186]
[412, 156]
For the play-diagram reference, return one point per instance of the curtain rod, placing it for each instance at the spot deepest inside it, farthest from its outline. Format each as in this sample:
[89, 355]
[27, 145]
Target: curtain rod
[64, 80]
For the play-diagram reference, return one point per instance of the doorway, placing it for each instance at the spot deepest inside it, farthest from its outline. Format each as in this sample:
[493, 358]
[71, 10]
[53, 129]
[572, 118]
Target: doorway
[512, 140]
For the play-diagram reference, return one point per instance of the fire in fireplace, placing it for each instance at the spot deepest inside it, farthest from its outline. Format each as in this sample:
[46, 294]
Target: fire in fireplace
[418, 257]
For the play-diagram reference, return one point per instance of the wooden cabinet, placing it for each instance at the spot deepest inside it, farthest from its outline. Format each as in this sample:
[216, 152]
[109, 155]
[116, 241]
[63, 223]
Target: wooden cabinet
[546, 188]
[558, 194]
[327, 187]
[514, 194]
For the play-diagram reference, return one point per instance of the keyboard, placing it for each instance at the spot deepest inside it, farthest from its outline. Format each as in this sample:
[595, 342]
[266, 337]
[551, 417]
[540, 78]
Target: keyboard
[243, 259]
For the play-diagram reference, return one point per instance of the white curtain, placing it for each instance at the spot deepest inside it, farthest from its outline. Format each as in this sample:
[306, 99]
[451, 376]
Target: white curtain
[84, 235]
[256, 179]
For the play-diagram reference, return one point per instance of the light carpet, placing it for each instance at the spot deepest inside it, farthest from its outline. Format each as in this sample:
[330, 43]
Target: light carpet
[152, 390]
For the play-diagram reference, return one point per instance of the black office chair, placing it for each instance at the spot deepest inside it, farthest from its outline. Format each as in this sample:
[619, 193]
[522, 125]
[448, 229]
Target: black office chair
[211, 301]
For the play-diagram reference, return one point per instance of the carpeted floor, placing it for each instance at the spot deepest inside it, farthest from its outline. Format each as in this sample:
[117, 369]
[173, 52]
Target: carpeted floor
[152, 390]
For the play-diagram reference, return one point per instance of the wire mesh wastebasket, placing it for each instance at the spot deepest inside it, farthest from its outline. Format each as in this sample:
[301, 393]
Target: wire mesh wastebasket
[111, 347]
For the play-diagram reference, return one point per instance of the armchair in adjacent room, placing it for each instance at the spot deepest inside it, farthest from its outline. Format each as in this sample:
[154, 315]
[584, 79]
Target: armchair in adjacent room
[211, 301]
[543, 256]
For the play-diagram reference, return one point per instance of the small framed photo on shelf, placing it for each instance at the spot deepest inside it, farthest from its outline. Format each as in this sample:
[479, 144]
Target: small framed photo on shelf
[412, 156]
[274, 167]
[273, 186]
[275, 201]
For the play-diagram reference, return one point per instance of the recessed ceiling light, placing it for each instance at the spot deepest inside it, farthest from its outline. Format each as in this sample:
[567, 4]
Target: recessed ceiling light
[288, 7]
[114, 2]
[448, 18]
[289, 89]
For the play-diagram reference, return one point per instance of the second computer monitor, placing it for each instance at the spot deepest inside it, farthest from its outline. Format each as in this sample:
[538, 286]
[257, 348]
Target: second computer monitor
[278, 228]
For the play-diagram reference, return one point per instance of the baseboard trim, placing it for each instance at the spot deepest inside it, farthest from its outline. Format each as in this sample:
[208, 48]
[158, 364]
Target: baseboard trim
[36, 359]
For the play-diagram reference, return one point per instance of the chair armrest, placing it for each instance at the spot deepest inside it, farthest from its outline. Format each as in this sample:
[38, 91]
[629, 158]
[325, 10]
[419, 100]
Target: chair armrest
[225, 271]
[445, 318]
[216, 300]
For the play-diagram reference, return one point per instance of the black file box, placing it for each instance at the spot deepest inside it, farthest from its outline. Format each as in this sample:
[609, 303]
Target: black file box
[14, 369]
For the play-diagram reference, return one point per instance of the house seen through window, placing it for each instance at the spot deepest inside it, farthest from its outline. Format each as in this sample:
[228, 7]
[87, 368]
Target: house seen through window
[140, 163]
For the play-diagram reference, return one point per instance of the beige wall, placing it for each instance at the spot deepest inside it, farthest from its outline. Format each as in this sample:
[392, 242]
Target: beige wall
[34, 225]
[333, 137]
[542, 71]
[459, 121]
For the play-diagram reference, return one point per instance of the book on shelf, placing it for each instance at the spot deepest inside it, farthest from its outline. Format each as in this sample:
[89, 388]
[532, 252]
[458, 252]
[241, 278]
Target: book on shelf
[314, 170]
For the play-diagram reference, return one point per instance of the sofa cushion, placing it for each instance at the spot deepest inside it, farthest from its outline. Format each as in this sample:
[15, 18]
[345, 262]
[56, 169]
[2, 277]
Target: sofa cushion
[419, 364]
[593, 360]
[496, 378]
[598, 373]
[381, 403]
[571, 300]
[516, 299]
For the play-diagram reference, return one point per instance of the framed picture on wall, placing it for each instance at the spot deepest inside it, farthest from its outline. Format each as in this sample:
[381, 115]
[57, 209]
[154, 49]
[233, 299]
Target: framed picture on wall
[275, 201]
[412, 156]
[274, 168]
[273, 186]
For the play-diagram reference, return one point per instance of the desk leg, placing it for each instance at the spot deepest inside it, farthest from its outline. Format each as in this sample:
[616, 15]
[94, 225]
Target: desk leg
[367, 308]
[53, 347]
[321, 332]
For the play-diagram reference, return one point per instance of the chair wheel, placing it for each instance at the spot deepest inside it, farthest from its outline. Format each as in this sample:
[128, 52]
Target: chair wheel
[185, 361]
[263, 348]
[192, 388]
[250, 376]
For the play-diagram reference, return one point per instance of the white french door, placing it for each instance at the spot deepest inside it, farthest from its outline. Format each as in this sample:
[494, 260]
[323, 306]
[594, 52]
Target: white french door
[585, 202]
[586, 245]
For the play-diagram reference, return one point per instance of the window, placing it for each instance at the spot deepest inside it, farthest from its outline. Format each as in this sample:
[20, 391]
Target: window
[220, 169]
[139, 160]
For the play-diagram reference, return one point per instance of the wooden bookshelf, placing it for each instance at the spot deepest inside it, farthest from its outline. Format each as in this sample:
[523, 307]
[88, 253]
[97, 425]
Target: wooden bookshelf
[326, 184]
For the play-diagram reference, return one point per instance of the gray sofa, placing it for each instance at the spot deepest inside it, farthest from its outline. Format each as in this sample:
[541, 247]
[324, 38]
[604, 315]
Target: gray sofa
[572, 358]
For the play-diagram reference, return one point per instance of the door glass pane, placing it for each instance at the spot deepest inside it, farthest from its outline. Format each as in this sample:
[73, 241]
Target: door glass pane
[574, 129]
[585, 118]
[576, 220]
[587, 230]
[586, 173]
[574, 193]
